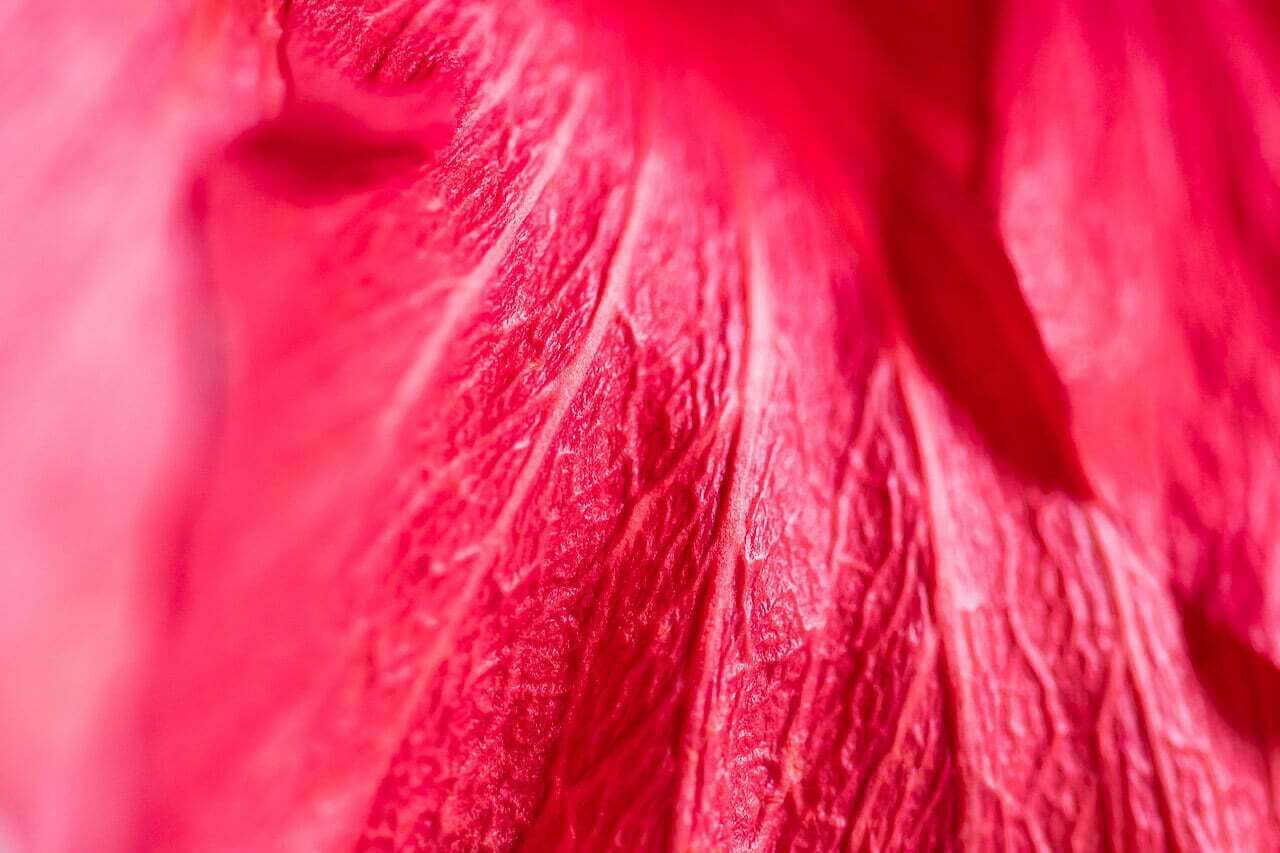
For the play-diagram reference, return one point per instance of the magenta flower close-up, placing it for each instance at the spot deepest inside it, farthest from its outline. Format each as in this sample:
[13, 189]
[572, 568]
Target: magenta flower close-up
[645, 426]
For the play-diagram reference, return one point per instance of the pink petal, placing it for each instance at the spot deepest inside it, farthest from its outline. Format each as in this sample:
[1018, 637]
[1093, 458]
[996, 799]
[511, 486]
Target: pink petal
[105, 394]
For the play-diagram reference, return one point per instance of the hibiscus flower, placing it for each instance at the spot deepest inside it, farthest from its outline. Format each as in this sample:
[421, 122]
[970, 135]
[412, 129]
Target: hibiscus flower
[565, 424]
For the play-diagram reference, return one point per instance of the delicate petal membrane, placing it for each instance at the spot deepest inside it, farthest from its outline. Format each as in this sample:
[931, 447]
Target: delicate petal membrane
[675, 429]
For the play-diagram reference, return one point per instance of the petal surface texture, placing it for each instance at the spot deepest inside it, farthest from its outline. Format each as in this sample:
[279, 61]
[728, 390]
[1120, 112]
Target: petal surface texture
[594, 426]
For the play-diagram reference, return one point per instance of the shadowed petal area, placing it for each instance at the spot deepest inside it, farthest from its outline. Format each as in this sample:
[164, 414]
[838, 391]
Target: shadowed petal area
[1138, 181]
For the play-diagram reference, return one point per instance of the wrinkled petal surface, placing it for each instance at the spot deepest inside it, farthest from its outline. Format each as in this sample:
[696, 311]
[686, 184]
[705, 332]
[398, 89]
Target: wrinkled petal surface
[560, 426]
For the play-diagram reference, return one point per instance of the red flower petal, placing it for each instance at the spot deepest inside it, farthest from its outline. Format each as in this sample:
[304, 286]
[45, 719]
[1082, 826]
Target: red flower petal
[697, 448]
